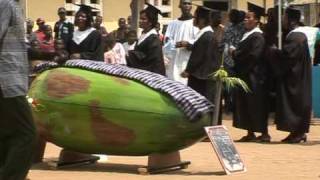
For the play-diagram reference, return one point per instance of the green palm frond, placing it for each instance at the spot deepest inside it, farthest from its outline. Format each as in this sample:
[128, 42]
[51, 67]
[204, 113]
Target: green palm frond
[223, 80]
[232, 82]
[229, 82]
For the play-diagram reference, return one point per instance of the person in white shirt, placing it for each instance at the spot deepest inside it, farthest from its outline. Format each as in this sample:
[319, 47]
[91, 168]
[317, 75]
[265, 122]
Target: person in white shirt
[114, 51]
[181, 29]
[131, 41]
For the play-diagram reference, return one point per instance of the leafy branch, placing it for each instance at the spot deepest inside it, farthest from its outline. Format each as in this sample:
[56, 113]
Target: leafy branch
[229, 82]
[223, 79]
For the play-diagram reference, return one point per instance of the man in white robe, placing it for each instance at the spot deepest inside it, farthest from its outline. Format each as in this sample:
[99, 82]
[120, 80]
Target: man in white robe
[181, 29]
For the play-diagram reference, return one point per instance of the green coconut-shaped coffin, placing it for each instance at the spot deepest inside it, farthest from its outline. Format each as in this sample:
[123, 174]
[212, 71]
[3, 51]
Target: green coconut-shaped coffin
[93, 112]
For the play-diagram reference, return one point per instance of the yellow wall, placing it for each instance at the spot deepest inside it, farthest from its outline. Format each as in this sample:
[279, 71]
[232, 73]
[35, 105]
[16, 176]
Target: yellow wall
[176, 10]
[46, 9]
[242, 5]
[113, 10]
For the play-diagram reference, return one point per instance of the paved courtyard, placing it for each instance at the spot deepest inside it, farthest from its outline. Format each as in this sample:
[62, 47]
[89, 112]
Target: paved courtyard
[263, 161]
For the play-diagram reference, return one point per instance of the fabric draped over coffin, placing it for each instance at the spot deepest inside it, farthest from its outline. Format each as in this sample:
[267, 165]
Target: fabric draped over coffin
[192, 104]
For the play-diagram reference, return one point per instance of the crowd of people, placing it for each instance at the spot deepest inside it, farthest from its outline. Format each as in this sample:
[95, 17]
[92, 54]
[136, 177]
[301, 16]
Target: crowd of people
[279, 79]
[191, 49]
[85, 38]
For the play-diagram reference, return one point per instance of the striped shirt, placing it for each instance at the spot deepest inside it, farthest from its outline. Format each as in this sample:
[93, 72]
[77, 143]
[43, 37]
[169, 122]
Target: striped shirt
[13, 53]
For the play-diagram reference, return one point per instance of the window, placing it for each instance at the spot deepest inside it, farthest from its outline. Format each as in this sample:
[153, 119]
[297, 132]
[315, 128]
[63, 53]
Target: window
[94, 1]
[70, 13]
[95, 13]
[166, 2]
[166, 15]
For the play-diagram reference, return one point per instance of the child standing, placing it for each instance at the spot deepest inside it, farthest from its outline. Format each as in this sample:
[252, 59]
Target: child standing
[114, 51]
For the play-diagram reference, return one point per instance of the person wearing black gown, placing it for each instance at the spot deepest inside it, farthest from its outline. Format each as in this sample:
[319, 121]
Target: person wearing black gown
[203, 60]
[86, 42]
[147, 54]
[293, 105]
[251, 111]
[270, 32]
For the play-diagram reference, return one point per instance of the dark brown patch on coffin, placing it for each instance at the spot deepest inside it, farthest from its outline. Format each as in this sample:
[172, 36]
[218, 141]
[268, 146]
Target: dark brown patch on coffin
[107, 133]
[61, 84]
[121, 81]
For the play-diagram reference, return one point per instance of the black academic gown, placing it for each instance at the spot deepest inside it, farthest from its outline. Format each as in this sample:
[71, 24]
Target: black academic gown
[251, 111]
[293, 67]
[269, 53]
[91, 48]
[202, 63]
[148, 55]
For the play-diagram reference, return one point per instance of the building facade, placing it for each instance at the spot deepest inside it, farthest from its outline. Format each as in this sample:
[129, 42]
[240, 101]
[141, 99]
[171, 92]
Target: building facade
[310, 10]
[112, 10]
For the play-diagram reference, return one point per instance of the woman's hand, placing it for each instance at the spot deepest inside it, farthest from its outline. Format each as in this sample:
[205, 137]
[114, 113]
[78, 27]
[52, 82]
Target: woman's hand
[231, 50]
[75, 56]
[182, 44]
[184, 74]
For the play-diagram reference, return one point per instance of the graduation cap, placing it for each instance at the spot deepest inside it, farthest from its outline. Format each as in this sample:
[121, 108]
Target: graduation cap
[293, 14]
[205, 12]
[153, 10]
[185, 1]
[219, 6]
[204, 8]
[258, 11]
[217, 9]
[85, 8]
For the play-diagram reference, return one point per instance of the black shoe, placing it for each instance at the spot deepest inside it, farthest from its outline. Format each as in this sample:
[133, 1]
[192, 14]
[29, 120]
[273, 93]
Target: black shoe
[264, 139]
[288, 138]
[298, 139]
[248, 138]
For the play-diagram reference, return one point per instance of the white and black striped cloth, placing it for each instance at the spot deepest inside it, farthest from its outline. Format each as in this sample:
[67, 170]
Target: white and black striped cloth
[189, 101]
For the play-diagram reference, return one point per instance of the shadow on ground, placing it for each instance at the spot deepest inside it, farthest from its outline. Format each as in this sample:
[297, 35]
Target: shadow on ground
[115, 168]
